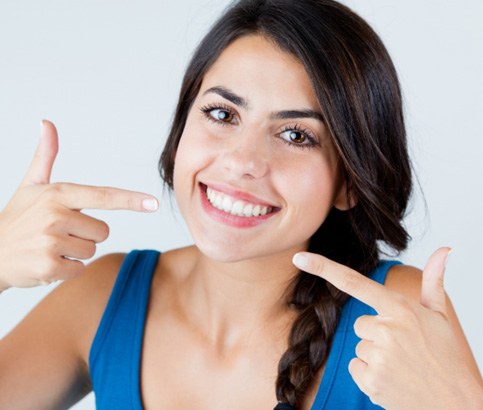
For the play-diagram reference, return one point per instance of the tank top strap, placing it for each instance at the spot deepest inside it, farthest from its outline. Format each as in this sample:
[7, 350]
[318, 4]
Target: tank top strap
[337, 389]
[114, 358]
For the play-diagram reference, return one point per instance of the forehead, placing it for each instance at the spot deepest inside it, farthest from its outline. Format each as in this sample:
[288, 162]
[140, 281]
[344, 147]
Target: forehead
[256, 68]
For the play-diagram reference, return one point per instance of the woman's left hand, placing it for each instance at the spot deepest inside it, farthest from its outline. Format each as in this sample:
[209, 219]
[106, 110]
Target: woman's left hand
[409, 357]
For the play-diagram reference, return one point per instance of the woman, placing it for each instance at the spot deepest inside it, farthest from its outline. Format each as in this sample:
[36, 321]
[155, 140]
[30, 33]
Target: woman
[288, 137]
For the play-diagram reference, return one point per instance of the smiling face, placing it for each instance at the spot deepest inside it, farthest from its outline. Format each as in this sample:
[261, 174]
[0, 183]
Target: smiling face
[255, 172]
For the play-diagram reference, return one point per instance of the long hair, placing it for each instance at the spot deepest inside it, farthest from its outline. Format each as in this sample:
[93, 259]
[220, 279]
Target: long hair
[359, 95]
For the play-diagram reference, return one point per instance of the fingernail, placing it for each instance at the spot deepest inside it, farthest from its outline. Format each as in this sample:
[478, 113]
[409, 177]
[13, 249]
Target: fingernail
[300, 260]
[150, 204]
[447, 257]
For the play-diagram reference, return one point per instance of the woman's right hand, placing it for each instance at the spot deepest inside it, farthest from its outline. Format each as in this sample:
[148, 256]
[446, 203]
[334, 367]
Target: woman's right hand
[43, 232]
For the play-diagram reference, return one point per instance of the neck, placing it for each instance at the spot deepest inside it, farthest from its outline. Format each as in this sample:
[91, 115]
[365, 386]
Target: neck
[235, 301]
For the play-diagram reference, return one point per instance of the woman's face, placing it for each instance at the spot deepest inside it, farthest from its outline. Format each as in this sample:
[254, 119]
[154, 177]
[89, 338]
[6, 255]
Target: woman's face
[255, 172]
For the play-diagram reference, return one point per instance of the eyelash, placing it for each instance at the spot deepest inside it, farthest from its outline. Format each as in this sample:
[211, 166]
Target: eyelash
[206, 110]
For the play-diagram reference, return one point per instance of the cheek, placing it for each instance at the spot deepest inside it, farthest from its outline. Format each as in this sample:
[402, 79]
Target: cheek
[190, 154]
[309, 191]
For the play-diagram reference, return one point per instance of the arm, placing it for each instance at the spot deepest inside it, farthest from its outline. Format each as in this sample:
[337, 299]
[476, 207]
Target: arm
[44, 360]
[43, 234]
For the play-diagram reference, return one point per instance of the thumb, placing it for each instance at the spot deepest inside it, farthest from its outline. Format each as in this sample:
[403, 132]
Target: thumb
[433, 295]
[41, 166]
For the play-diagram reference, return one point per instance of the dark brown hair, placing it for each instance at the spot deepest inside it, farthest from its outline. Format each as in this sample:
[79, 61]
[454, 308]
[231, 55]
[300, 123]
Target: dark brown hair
[358, 91]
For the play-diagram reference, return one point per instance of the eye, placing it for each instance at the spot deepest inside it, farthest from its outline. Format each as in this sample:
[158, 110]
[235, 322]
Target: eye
[295, 136]
[298, 137]
[219, 114]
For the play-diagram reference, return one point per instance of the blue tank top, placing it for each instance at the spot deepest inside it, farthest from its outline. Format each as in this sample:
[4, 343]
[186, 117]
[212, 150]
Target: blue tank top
[115, 355]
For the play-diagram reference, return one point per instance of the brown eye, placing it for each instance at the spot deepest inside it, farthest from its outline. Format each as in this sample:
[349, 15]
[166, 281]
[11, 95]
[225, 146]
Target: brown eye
[296, 136]
[222, 115]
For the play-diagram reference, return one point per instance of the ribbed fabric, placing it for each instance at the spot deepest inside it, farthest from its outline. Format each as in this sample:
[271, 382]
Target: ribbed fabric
[115, 355]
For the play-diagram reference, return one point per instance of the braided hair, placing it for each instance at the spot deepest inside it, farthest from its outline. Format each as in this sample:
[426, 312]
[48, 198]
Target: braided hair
[359, 96]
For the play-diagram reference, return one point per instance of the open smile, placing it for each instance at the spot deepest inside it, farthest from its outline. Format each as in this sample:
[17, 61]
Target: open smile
[234, 208]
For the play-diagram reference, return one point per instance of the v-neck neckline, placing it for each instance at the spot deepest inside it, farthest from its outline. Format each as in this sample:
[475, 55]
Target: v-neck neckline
[325, 385]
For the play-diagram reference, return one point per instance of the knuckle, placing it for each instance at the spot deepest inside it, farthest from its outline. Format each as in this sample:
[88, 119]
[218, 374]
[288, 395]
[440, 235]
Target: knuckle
[359, 349]
[51, 244]
[104, 231]
[349, 280]
[380, 362]
[48, 270]
[52, 220]
[318, 265]
[53, 191]
[359, 325]
[132, 203]
[372, 383]
[91, 249]
[103, 197]
[385, 331]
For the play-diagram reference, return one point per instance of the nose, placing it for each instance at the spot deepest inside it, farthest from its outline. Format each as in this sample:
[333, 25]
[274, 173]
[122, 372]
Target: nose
[246, 157]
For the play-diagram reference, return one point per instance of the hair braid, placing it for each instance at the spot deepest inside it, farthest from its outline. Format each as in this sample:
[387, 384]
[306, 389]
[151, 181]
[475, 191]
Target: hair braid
[358, 92]
[309, 339]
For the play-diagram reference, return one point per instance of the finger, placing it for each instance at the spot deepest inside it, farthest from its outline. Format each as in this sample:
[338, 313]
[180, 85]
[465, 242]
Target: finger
[364, 349]
[41, 166]
[348, 280]
[366, 327]
[68, 269]
[79, 197]
[75, 248]
[85, 227]
[65, 268]
[357, 369]
[432, 288]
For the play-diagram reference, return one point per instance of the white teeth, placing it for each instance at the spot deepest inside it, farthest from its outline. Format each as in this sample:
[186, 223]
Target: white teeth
[235, 206]
[247, 211]
[226, 204]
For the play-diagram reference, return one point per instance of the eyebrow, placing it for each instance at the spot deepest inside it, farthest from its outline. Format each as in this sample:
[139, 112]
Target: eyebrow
[279, 115]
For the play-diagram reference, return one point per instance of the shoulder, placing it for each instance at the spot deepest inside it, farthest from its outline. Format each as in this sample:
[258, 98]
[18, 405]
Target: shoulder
[405, 279]
[78, 304]
[51, 344]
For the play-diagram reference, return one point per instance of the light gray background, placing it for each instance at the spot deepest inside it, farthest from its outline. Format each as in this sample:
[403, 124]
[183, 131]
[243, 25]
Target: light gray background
[107, 73]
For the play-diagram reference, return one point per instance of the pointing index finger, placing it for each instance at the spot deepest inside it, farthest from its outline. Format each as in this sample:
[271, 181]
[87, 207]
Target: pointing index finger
[348, 280]
[75, 196]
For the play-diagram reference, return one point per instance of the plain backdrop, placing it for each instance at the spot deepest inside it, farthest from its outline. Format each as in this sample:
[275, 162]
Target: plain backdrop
[108, 72]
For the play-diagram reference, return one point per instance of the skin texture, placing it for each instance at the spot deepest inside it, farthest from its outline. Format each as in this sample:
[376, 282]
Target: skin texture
[217, 320]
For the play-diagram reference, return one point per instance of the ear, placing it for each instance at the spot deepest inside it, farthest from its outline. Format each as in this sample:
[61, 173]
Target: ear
[344, 199]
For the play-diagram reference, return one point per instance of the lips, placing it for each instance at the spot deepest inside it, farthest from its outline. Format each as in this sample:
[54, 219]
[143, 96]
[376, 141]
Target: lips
[234, 207]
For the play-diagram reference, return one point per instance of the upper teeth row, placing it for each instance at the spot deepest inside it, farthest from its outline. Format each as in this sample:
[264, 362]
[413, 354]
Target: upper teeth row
[235, 206]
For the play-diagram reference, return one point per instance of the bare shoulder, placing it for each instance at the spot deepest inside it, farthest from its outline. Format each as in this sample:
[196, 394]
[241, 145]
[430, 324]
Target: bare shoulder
[405, 279]
[73, 310]
[50, 346]
[87, 297]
